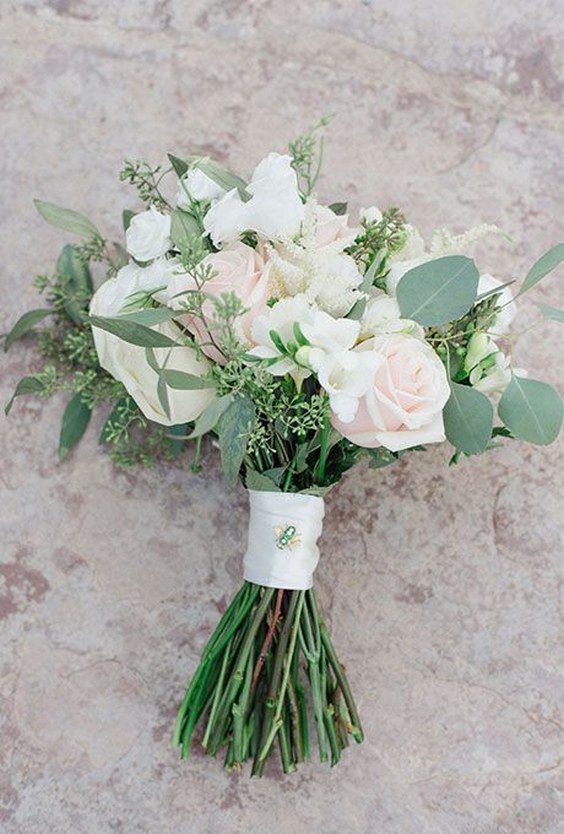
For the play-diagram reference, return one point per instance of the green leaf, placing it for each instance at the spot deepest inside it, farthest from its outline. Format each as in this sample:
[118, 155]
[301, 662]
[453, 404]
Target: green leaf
[135, 334]
[75, 276]
[531, 410]
[380, 457]
[75, 420]
[180, 167]
[210, 416]
[182, 381]
[184, 229]
[177, 438]
[70, 221]
[339, 208]
[163, 396]
[126, 217]
[113, 416]
[27, 385]
[438, 291]
[212, 169]
[545, 264]
[234, 429]
[149, 317]
[24, 324]
[551, 312]
[468, 419]
[259, 482]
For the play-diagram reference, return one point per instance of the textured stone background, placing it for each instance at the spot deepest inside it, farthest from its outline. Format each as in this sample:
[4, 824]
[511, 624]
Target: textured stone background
[441, 584]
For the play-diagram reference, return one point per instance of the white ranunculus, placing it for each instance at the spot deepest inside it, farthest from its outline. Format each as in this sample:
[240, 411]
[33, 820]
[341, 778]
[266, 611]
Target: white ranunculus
[198, 186]
[382, 315]
[128, 363]
[274, 211]
[501, 324]
[148, 235]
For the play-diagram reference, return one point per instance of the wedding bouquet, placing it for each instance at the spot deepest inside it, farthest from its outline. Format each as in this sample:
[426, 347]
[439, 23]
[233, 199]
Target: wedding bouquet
[300, 343]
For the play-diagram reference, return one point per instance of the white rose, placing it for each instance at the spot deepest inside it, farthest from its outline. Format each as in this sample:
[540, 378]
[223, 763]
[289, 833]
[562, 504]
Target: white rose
[148, 235]
[500, 325]
[198, 186]
[128, 363]
[275, 209]
[405, 398]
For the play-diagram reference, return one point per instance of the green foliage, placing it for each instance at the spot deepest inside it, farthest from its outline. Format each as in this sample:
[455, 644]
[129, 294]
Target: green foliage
[551, 312]
[377, 240]
[66, 219]
[438, 291]
[27, 385]
[468, 419]
[129, 331]
[24, 324]
[222, 176]
[234, 430]
[307, 156]
[75, 420]
[545, 264]
[531, 410]
[146, 180]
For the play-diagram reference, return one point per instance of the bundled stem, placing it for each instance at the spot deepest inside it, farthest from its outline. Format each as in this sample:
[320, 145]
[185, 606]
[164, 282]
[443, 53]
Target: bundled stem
[249, 691]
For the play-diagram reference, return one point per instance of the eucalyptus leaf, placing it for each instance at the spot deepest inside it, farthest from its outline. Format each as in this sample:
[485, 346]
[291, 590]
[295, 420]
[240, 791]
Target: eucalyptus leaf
[438, 291]
[182, 381]
[551, 312]
[24, 324]
[339, 208]
[209, 417]
[233, 430]
[184, 229]
[259, 481]
[468, 419]
[134, 334]
[126, 217]
[545, 264]
[70, 221]
[220, 175]
[162, 394]
[150, 317]
[27, 385]
[179, 165]
[178, 438]
[75, 275]
[75, 420]
[531, 410]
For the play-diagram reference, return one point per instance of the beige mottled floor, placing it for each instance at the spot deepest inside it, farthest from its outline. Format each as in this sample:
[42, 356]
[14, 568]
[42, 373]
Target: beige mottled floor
[441, 584]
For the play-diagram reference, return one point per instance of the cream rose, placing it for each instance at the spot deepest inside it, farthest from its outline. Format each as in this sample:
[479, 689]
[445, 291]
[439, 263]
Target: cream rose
[128, 363]
[148, 235]
[403, 406]
[238, 269]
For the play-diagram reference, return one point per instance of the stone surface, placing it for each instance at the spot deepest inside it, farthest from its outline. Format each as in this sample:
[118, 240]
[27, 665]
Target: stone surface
[441, 584]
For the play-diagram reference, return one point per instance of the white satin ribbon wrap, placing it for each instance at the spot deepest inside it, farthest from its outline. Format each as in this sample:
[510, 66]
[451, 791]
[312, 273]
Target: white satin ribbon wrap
[283, 532]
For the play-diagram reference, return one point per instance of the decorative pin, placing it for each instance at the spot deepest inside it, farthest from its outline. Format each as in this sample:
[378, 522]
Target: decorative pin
[287, 537]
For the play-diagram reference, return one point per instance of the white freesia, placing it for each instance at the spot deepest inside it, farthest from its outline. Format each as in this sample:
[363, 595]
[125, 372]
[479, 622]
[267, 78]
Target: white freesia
[275, 209]
[128, 363]
[346, 375]
[148, 235]
[501, 323]
[280, 319]
[488, 367]
[196, 185]
[382, 315]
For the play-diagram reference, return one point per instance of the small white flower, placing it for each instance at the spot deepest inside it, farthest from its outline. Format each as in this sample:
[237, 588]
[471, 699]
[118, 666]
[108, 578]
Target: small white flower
[382, 316]
[275, 209]
[372, 214]
[281, 319]
[346, 376]
[148, 235]
[488, 367]
[198, 186]
[501, 323]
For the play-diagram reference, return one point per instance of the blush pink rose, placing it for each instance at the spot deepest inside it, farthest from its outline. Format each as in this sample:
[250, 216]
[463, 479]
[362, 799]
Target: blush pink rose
[403, 406]
[331, 227]
[237, 268]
